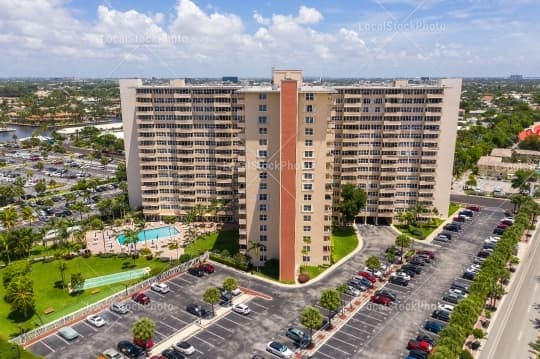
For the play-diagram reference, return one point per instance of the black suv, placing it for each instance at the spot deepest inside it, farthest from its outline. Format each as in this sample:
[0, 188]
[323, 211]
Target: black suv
[441, 315]
[399, 281]
[414, 268]
[130, 350]
[198, 272]
[451, 227]
[197, 310]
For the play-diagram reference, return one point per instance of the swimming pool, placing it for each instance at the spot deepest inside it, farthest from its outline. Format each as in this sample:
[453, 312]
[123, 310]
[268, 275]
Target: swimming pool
[151, 234]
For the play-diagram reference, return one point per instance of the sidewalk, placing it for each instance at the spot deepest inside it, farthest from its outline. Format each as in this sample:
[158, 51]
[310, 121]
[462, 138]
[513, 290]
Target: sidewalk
[195, 328]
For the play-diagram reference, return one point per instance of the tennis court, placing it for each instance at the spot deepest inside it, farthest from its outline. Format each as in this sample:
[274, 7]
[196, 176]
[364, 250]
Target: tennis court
[115, 278]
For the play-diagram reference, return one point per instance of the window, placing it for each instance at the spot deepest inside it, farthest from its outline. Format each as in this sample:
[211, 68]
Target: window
[306, 249]
[377, 109]
[262, 257]
[263, 165]
[262, 108]
[263, 142]
[262, 96]
[262, 120]
[263, 131]
[263, 175]
[308, 143]
[262, 207]
[306, 259]
[308, 120]
[306, 238]
[307, 228]
[263, 237]
[263, 197]
[308, 187]
[308, 154]
[307, 131]
[308, 165]
[263, 185]
[307, 197]
[307, 176]
[310, 96]
[307, 218]
[309, 108]
[262, 227]
[262, 153]
[366, 109]
[307, 208]
[263, 217]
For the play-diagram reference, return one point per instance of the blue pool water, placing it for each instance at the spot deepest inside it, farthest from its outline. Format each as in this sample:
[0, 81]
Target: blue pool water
[151, 234]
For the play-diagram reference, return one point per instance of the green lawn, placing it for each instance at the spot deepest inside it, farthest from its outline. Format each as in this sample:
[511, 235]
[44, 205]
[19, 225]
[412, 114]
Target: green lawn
[217, 242]
[12, 351]
[344, 241]
[453, 208]
[313, 271]
[45, 275]
[420, 231]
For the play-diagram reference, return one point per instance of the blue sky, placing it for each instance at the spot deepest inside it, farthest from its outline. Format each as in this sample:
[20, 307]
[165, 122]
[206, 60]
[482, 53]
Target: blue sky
[178, 38]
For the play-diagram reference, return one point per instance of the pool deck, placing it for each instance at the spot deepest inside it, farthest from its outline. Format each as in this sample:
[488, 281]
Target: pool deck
[105, 241]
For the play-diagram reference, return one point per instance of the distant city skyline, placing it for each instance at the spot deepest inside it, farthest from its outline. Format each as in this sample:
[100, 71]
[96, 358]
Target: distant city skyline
[184, 38]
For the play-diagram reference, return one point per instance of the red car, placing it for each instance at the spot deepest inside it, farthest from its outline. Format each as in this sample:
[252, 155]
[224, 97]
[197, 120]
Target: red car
[141, 298]
[503, 226]
[381, 299]
[207, 267]
[368, 276]
[507, 222]
[430, 254]
[474, 208]
[144, 344]
[459, 219]
[419, 345]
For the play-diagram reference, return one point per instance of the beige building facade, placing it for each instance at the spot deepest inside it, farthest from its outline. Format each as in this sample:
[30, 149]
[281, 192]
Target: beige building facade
[278, 153]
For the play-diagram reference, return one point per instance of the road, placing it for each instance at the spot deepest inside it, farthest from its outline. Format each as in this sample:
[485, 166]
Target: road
[518, 321]
[483, 201]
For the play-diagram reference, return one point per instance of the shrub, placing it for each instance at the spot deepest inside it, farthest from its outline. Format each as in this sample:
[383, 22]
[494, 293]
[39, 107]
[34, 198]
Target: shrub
[229, 261]
[303, 278]
[184, 258]
[465, 354]
[478, 333]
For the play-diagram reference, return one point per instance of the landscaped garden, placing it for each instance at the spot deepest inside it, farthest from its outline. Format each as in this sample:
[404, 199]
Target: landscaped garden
[452, 208]
[52, 299]
[344, 241]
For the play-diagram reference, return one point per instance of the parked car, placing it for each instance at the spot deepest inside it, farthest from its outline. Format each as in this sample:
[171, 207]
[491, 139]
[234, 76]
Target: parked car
[467, 212]
[352, 291]
[502, 226]
[95, 320]
[197, 310]
[415, 268]
[184, 347]
[452, 298]
[408, 271]
[120, 308]
[387, 293]
[473, 208]
[112, 354]
[417, 354]
[447, 307]
[241, 308]
[460, 286]
[419, 345]
[196, 271]
[357, 284]
[441, 315]
[431, 254]
[381, 299]
[441, 238]
[468, 275]
[130, 350]
[451, 227]
[279, 349]
[483, 253]
[207, 268]
[399, 281]
[298, 336]
[433, 326]
[425, 338]
[145, 344]
[401, 274]
[141, 298]
[160, 287]
[68, 333]
[498, 231]
[368, 276]
[363, 281]
[172, 354]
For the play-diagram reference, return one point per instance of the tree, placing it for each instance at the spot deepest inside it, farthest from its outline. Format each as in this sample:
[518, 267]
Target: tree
[403, 241]
[77, 282]
[20, 294]
[62, 267]
[212, 296]
[40, 187]
[143, 330]
[353, 199]
[170, 220]
[390, 255]
[407, 218]
[131, 237]
[522, 179]
[8, 218]
[311, 318]
[517, 200]
[27, 214]
[373, 263]
[230, 284]
[417, 210]
[342, 289]
[330, 300]
[471, 181]
[256, 247]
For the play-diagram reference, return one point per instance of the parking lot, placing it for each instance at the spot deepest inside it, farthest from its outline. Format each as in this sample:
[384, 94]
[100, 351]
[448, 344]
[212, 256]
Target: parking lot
[380, 332]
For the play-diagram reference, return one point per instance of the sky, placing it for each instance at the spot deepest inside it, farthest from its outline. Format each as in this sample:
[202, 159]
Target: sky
[196, 38]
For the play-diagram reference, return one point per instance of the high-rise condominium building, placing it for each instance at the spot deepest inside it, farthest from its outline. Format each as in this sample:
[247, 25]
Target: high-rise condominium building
[277, 155]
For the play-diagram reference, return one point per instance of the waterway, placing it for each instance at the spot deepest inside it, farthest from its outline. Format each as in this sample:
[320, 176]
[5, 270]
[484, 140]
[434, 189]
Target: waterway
[26, 131]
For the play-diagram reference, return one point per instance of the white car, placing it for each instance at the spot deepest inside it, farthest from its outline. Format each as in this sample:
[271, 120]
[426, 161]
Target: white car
[446, 307]
[241, 308]
[112, 354]
[95, 320]
[458, 291]
[353, 291]
[279, 349]
[376, 273]
[236, 292]
[441, 238]
[184, 347]
[160, 287]
[402, 275]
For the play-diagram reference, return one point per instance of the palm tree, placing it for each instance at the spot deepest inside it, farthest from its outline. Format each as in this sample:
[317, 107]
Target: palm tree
[255, 246]
[20, 294]
[131, 237]
[403, 241]
[212, 296]
[517, 200]
[8, 218]
[170, 220]
[417, 210]
[27, 214]
[62, 267]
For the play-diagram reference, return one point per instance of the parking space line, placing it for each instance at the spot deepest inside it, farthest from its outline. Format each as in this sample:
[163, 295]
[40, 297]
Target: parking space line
[258, 305]
[173, 283]
[230, 320]
[167, 325]
[204, 341]
[359, 329]
[88, 325]
[319, 352]
[339, 340]
[369, 316]
[47, 346]
[214, 334]
[363, 322]
[178, 319]
[221, 326]
[338, 349]
[62, 339]
[113, 313]
[183, 280]
[160, 333]
[348, 334]
[154, 292]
